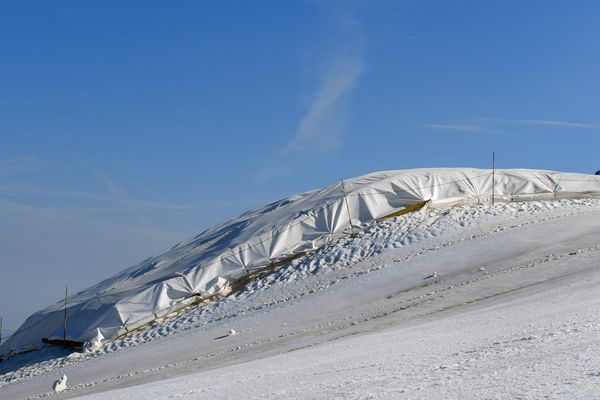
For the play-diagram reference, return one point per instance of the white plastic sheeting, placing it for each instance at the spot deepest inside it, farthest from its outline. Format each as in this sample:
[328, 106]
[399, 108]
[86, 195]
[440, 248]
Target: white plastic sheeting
[204, 265]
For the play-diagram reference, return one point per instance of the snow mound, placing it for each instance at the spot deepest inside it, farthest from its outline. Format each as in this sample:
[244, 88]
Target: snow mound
[350, 273]
[208, 264]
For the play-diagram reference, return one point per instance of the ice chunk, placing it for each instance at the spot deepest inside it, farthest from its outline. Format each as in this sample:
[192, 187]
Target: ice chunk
[60, 385]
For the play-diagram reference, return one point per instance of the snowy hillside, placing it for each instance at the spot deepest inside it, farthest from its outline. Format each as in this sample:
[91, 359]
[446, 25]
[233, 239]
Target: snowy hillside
[229, 255]
[474, 301]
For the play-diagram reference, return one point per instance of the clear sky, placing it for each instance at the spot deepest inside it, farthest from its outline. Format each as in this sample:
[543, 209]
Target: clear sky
[127, 126]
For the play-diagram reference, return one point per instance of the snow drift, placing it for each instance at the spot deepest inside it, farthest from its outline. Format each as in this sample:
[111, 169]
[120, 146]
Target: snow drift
[227, 253]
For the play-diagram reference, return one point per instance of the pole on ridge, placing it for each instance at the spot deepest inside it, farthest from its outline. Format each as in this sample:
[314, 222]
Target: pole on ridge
[65, 319]
[0, 330]
[493, 175]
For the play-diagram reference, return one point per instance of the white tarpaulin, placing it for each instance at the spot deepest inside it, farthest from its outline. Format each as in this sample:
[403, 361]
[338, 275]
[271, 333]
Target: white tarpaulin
[255, 240]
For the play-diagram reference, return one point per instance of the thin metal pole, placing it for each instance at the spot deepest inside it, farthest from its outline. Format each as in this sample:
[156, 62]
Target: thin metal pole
[0, 330]
[493, 176]
[65, 327]
[347, 206]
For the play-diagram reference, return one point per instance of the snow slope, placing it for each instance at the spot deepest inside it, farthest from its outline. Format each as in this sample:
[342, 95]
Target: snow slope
[231, 252]
[536, 343]
[477, 301]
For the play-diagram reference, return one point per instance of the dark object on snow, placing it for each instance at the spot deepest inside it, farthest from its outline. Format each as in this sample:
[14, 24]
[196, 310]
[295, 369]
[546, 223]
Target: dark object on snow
[72, 344]
[597, 172]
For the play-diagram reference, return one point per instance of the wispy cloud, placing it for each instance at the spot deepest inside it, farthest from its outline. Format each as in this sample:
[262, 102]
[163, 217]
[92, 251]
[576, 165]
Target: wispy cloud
[144, 218]
[453, 127]
[78, 215]
[321, 129]
[542, 122]
[170, 203]
[116, 191]
[500, 126]
[17, 165]
[114, 203]
[465, 128]
[121, 204]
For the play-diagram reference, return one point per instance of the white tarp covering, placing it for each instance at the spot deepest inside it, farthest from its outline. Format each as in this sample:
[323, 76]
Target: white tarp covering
[231, 251]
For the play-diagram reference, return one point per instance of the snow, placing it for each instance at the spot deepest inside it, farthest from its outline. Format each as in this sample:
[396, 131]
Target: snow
[209, 264]
[478, 353]
[476, 301]
[60, 385]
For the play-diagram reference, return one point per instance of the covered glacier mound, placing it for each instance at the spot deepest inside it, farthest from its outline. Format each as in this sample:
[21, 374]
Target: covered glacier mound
[258, 239]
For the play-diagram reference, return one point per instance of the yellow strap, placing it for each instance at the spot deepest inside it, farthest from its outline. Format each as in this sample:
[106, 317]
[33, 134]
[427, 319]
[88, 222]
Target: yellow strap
[406, 210]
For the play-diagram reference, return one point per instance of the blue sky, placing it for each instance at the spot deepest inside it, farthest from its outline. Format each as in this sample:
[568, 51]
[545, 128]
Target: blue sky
[126, 127]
